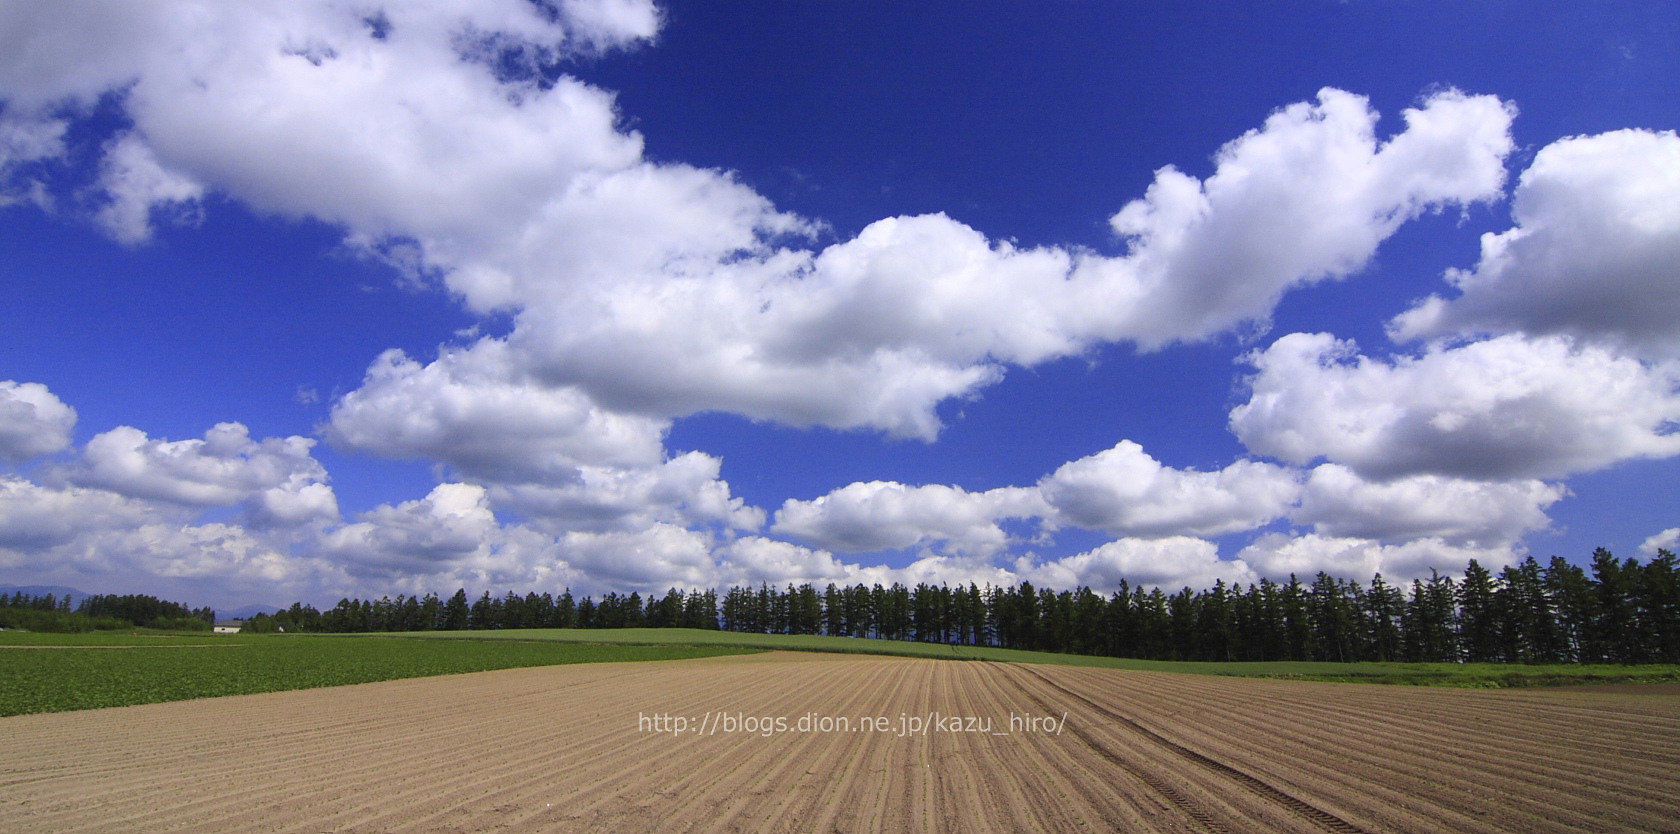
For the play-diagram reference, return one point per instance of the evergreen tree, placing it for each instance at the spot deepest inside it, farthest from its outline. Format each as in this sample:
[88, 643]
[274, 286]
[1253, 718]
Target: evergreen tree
[1479, 621]
[1615, 627]
[1571, 596]
[1216, 625]
[1659, 607]
[484, 613]
[456, 615]
[1528, 623]
[565, 611]
[1384, 609]
[1297, 622]
[1089, 612]
[834, 612]
[1181, 614]
[1331, 613]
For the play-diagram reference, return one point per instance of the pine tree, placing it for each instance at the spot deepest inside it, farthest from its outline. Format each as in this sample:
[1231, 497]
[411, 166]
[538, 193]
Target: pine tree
[1479, 621]
[1297, 625]
[1616, 619]
[1331, 612]
[1571, 596]
[1527, 623]
[565, 611]
[1384, 606]
[1659, 606]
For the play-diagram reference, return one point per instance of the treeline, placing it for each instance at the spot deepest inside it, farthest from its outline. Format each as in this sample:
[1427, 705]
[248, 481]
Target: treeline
[52, 613]
[676, 609]
[1618, 611]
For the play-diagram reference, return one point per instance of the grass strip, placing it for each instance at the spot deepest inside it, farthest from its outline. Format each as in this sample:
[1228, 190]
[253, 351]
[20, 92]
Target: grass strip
[58, 672]
[1468, 675]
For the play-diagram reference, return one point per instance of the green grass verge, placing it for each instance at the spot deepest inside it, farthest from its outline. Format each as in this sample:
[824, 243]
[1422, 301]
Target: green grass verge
[86, 671]
[1480, 675]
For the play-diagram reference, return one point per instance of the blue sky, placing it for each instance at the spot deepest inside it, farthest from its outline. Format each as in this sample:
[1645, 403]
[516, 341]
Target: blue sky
[337, 298]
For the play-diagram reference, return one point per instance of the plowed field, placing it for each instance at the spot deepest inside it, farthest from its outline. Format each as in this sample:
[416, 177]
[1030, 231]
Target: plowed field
[791, 742]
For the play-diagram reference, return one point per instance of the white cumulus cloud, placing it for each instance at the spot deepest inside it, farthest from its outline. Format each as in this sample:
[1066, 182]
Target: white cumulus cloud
[452, 526]
[654, 558]
[880, 515]
[1277, 556]
[914, 311]
[1126, 492]
[753, 559]
[1666, 540]
[224, 468]
[1595, 252]
[1307, 197]
[36, 518]
[33, 421]
[471, 410]
[1168, 563]
[450, 139]
[1509, 407]
[683, 490]
[1339, 503]
[664, 290]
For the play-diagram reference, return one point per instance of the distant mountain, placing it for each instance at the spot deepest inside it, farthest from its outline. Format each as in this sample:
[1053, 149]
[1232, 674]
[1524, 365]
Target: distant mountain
[76, 596]
[245, 611]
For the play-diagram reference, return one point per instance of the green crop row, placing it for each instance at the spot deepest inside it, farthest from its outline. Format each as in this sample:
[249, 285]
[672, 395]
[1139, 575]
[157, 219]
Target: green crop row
[87, 671]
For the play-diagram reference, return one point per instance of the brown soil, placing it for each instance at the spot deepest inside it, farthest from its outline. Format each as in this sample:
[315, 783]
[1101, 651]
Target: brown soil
[565, 748]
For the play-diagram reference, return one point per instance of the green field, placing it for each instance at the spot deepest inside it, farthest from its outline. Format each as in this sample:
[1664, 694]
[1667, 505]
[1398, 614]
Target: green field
[1487, 675]
[86, 671]
[105, 669]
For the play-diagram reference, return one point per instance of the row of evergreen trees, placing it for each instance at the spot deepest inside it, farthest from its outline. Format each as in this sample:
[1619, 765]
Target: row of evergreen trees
[1619, 611]
[54, 613]
[694, 609]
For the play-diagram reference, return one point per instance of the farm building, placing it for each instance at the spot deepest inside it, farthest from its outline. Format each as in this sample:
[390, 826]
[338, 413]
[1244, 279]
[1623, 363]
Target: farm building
[229, 626]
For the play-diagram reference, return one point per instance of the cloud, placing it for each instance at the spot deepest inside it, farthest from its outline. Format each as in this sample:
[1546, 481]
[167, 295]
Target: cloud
[652, 559]
[753, 559]
[78, 535]
[881, 515]
[1338, 503]
[138, 188]
[307, 109]
[1305, 198]
[1277, 556]
[126, 505]
[1594, 254]
[683, 490]
[224, 552]
[299, 501]
[280, 478]
[664, 290]
[1128, 493]
[919, 310]
[452, 527]
[1666, 540]
[33, 422]
[1510, 407]
[35, 518]
[24, 141]
[549, 453]
[449, 140]
[471, 410]
[1167, 563]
